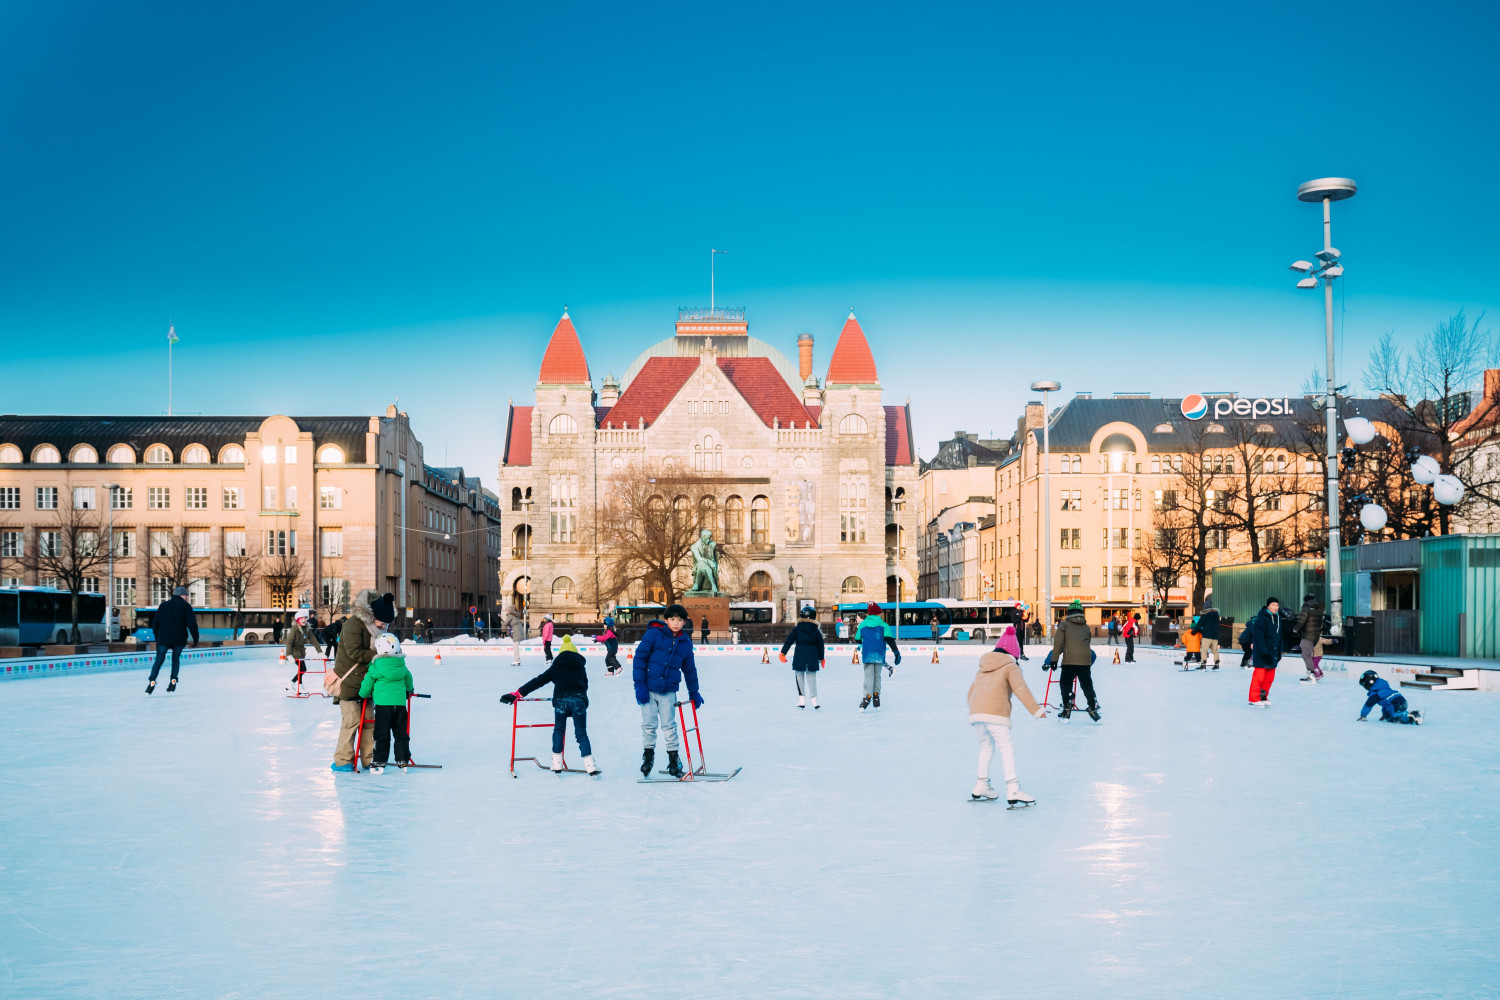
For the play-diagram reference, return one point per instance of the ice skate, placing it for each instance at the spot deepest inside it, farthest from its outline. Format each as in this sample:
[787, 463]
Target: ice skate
[557, 763]
[1015, 798]
[1094, 712]
[648, 758]
[588, 766]
[801, 702]
[1066, 715]
[983, 790]
[674, 765]
[172, 685]
[377, 768]
[815, 704]
[864, 703]
[875, 700]
[1308, 679]
[1415, 715]
[150, 686]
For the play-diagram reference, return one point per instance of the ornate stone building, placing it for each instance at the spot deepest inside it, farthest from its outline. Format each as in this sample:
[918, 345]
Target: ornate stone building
[816, 470]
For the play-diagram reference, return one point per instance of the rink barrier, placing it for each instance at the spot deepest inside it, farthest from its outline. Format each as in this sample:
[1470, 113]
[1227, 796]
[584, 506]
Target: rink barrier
[766, 652]
[101, 663]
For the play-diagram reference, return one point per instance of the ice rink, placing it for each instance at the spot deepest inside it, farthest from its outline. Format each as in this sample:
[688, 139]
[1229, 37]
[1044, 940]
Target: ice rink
[197, 845]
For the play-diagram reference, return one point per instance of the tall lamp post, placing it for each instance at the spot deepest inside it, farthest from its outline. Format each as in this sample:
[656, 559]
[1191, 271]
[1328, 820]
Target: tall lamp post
[897, 505]
[526, 556]
[1045, 386]
[1329, 190]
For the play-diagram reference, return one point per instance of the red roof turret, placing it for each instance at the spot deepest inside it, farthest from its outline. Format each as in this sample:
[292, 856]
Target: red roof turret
[564, 363]
[852, 363]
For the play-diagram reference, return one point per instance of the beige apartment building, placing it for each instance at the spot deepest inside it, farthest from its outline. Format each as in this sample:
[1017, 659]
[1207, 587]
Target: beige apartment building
[955, 503]
[259, 512]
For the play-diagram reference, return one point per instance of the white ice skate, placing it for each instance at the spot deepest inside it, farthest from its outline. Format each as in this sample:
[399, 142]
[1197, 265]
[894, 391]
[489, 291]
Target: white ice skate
[1016, 798]
[815, 703]
[1309, 679]
[983, 791]
[588, 766]
[557, 763]
[801, 702]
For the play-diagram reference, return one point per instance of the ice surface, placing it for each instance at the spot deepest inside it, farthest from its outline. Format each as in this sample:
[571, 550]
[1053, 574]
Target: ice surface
[196, 845]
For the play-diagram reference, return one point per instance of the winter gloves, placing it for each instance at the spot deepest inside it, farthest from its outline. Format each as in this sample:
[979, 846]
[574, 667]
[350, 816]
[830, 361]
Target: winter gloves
[697, 699]
[783, 657]
[512, 698]
[641, 695]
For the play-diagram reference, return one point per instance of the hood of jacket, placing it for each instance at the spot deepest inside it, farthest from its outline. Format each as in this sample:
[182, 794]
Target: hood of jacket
[808, 630]
[995, 659]
[1077, 616]
[361, 607]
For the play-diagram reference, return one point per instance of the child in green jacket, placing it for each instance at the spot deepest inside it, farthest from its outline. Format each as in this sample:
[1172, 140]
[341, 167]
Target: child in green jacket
[390, 682]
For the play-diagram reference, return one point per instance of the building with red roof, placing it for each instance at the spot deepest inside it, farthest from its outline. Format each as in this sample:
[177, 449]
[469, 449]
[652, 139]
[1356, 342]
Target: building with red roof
[814, 472]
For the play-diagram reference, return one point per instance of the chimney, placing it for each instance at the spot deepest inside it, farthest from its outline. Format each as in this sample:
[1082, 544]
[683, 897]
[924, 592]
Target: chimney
[804, 355]
[1492, 386]
[609, 394]
[812, 394]
[1035, 415]
[390, 411]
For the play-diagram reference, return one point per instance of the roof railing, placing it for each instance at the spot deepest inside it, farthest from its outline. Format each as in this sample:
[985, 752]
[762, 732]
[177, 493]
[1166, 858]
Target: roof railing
[697, 313]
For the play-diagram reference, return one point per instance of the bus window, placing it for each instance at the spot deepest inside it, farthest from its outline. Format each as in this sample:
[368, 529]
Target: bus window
[9, 603]
[90, 608]
[37, 609]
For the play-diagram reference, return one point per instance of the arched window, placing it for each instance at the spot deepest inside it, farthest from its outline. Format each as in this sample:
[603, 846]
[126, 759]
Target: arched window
[10, 453]
[562, 588]
[708, 515]
[515, 498]
[759, 587]
[46, 454]
[852, 586]
[656, 509]
[563, 423]
[734, 521]
[233, 455]
[331, 454]
[518, 544]
[122, 454]
[195, 454]
[853, 423]
[84, 454]
[159, 454]
[760, 521]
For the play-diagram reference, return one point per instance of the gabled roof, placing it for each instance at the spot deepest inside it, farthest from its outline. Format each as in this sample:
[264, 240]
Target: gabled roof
[766, 391]
[518, 436]
[654, 386]
[898, 450]
[661, 379]
[852, 362]
[956, 452]
[564, 362]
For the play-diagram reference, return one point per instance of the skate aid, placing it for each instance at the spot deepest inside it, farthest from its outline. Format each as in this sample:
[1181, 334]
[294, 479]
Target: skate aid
[701, 772]
[360, 732]
[516, 723]
[297, 691]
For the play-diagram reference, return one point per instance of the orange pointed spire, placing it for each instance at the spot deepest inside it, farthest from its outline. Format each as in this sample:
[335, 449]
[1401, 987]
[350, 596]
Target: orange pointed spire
[852, 363]
[564, 362]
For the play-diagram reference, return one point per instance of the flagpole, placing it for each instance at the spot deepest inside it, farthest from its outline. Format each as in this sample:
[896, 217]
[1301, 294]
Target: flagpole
[171, 339]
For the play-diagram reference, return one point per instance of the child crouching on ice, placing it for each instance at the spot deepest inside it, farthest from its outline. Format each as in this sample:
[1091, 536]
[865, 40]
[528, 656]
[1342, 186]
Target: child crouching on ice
[1392, 705]
[998, 678]
[569, 678]
[391, 684]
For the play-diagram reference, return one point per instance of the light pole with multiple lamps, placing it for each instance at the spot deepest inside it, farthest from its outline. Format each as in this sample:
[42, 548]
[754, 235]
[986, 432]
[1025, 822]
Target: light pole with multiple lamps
[1329, 190]
[1045, 386]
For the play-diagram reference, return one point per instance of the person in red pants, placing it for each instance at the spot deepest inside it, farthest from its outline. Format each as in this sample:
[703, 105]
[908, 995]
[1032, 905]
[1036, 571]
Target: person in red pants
[1262, 640]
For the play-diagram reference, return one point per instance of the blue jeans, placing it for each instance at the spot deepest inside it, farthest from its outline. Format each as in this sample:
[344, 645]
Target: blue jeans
[161, 655]
[578, 709]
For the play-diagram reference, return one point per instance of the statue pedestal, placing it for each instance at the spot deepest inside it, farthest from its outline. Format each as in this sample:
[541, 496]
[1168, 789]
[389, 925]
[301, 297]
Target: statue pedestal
[715, 608]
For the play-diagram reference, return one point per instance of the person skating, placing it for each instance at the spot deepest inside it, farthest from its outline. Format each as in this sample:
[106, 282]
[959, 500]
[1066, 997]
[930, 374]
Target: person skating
[1112, 627]
[1071, 652]
[548, 630]
[1020, 628]
[663, 657]
[874, 636]
[388, 683]
[1393, 706]
[356, 648]
[173, 623]
[297, 638]
[569, 677]
[1309, 627]
[809, 656]
[611, 643]
[1192, 646]
[998, 678]
[1208, 627]
[1263, 642]
[1130, 631]
[515, 620]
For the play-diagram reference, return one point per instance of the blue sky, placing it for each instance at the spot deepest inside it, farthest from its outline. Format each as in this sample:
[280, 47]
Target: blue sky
[338, 204]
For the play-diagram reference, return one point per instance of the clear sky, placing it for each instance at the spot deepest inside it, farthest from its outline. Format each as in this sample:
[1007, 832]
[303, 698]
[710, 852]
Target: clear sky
[341, 203]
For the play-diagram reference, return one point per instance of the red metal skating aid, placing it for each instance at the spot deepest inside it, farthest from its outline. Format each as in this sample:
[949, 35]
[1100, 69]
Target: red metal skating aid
[701, 772]
[516, 723]
[360, 732]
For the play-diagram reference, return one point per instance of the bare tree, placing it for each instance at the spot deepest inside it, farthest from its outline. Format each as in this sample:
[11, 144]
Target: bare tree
[1188, 519]
[233, 573]
[70, 550]
[1168, 556]
[283, 574]
[171, 558]
[648, 517]
[1263, 493]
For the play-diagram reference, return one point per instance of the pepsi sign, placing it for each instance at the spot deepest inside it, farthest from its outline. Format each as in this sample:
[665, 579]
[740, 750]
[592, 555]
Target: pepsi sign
[1196, 407]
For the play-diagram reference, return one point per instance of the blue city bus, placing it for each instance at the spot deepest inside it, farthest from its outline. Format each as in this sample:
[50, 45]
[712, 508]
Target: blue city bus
[979, 620]
[220, 624]
[39, 616]
[916, 618]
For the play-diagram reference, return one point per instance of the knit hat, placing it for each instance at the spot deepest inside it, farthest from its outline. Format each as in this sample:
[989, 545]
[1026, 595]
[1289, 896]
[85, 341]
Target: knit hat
[1273, 600]
[568, 645]
[1077, 605]
[179, 591]
[676, 611]
[872, 608]
[1008, 643]
[301, 615]
[384, 609]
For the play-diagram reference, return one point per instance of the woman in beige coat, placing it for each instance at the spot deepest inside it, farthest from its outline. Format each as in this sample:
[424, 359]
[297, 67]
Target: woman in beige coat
[998, 678]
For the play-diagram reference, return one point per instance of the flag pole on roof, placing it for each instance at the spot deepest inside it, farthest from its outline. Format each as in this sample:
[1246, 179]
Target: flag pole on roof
[172, 338]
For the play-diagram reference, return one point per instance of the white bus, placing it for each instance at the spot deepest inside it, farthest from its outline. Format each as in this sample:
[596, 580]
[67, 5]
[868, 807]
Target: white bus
[980, 620]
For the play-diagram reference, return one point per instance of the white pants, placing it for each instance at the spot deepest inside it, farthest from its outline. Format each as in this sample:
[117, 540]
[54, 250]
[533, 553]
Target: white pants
[662, 708]
[992, 735]
[807, 682]
[515, 648]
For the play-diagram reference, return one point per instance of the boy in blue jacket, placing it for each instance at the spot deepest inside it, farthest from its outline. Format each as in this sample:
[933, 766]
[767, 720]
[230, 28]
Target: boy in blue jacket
[874, 635]
[1392, 705]
[662, 658]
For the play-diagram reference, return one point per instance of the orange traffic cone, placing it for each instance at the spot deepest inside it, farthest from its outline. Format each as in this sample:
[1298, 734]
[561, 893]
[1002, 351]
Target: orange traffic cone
[855, 658]
[1117, 656]
[934, 655]
[437, 656]
[765, 654]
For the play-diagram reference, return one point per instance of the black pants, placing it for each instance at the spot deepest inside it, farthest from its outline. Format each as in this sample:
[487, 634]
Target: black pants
[1130, 649]
[161, 656]
[547, 649]
[389, 719]
[703, 637]
[1085, 678]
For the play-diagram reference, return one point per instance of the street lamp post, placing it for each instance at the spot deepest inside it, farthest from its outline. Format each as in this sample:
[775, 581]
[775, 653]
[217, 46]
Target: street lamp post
[109, 541]
[1045, 386]
[526, 556]
[896, 505]
[1329, 190]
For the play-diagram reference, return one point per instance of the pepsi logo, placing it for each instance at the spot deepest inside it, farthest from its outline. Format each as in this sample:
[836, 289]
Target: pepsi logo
[1194, 407]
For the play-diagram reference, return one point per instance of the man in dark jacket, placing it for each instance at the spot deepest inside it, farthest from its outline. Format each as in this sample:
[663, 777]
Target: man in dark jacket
[809, 656]
[663, 657]
[703, 631]
[173, 622]
[1262, 638]
[1309, 627]
[1208, 624]
[1070, 650]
